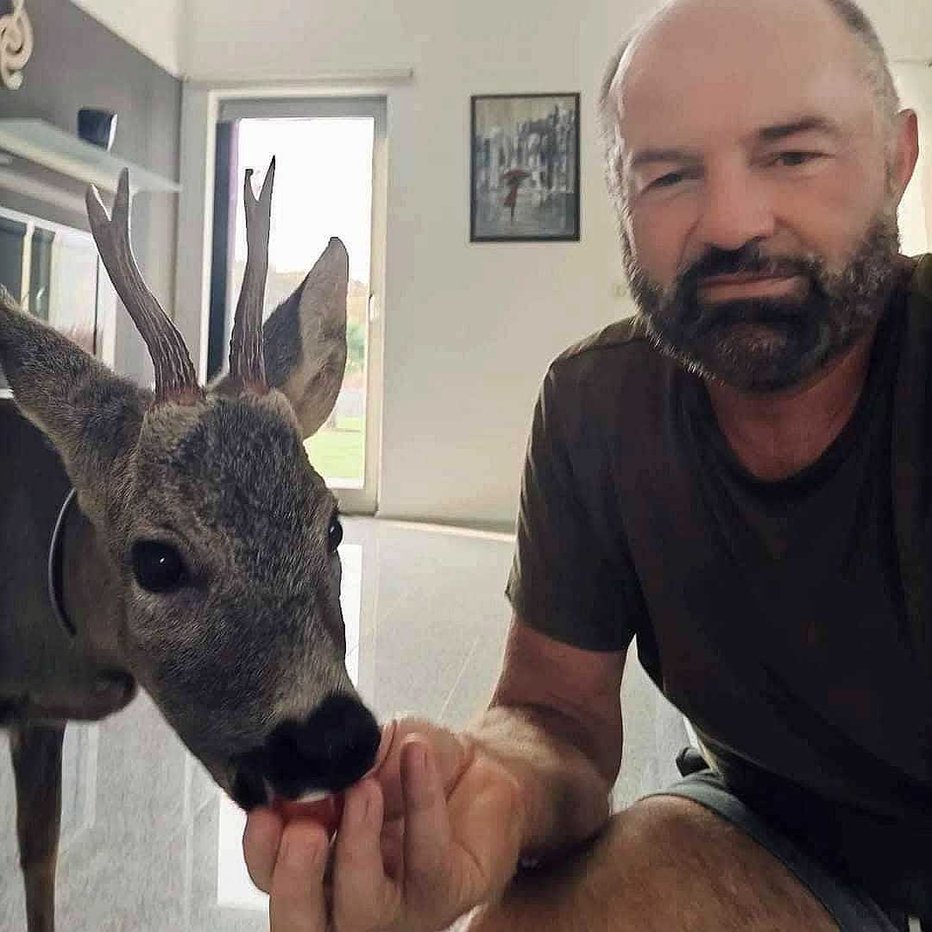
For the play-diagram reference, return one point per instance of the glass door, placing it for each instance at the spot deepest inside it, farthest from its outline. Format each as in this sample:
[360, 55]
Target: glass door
[329, 181]
[53, 271]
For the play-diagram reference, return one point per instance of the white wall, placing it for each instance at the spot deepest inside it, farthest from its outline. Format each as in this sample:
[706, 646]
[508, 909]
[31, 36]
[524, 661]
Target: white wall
[914, 82]
[152, 26]
[470, 329]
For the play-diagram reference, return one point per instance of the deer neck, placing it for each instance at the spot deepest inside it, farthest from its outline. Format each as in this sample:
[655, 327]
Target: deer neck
[87, 589]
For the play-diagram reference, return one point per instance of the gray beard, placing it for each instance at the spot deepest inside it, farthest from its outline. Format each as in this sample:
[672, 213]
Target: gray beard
[765, 345]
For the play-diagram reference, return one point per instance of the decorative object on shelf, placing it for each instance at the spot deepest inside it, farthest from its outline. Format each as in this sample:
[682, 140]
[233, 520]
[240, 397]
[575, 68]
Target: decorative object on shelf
[15, 45]
[97, 127]
[524, 183]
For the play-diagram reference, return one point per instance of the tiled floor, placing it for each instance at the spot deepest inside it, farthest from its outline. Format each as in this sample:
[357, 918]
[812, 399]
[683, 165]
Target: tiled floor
[148, 842]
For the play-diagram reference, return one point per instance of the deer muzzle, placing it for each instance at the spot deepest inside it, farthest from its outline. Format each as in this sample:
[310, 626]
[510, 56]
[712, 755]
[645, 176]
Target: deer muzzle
[331, 749]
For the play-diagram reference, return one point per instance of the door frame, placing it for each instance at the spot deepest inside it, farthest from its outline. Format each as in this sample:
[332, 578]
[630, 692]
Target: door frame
[201, 103]
[352, 500]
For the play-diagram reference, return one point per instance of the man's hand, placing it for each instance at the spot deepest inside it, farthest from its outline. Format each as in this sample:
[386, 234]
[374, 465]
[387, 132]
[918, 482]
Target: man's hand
[434, 832]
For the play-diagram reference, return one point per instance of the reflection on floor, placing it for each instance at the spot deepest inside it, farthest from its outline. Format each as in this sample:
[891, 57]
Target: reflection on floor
[148, 842]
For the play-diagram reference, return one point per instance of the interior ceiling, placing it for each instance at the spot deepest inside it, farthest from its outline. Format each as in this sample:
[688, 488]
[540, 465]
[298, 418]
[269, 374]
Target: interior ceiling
[157, 27]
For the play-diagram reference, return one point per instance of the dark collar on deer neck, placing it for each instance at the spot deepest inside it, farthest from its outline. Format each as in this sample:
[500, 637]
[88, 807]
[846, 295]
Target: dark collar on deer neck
[56, 561]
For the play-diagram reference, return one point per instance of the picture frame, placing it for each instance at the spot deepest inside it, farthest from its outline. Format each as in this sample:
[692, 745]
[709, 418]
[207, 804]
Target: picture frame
[524, 168]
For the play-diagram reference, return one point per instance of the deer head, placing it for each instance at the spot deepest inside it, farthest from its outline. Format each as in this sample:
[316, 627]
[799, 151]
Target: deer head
[221, 537]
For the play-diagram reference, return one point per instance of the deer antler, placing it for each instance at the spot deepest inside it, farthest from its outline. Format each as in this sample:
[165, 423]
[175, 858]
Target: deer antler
[247, 361]
[175, 378]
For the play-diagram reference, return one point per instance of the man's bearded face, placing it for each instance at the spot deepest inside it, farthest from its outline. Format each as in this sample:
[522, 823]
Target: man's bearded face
[765, 344]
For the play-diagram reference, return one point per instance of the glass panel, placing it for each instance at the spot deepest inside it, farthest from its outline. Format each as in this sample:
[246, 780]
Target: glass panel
[63, 274]
[52, 272]
[12, 240]
[323, 188]
[40, 272]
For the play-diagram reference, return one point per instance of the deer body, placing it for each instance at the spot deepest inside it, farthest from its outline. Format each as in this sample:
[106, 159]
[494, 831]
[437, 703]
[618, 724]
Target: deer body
[45, 674]
[47, 677]
[200, 558]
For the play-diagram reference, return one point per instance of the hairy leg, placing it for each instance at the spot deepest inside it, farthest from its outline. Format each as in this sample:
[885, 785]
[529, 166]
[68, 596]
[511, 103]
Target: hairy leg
[36, 751]
[665, 864]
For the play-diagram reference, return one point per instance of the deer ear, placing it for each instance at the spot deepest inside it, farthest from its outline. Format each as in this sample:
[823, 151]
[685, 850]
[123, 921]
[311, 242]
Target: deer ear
[304, 340]
[91, 416]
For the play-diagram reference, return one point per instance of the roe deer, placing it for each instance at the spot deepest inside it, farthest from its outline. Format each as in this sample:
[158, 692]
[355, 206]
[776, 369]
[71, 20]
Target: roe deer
[197, 556]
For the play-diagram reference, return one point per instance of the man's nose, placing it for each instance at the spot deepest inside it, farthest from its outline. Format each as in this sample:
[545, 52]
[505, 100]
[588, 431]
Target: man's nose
[737, 208]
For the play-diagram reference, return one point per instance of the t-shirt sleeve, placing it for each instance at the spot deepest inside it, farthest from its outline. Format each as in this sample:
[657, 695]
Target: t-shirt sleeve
[566, 581]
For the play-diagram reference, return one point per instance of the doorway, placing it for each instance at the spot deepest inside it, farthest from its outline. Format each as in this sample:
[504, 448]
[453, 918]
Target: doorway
[329, 181]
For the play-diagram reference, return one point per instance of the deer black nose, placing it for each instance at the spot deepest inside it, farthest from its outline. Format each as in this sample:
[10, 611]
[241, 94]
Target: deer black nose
[329, 750]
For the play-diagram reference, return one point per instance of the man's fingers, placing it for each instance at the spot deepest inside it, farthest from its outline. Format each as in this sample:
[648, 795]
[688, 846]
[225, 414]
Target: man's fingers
[427, 822]
[486, 809]
[261, 839]
[297, 901]
[393, 849]
[363, 897]
[451, 752]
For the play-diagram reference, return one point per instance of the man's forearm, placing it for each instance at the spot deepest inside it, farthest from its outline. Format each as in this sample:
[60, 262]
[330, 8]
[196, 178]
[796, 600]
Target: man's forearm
[566, 799]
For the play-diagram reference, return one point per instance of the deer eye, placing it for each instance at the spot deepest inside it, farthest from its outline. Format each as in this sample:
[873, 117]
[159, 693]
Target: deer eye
[158, 567]
[335, 534]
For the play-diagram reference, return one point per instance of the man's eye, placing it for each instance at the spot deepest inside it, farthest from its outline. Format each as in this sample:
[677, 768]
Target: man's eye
[667, 181]
[795, 159]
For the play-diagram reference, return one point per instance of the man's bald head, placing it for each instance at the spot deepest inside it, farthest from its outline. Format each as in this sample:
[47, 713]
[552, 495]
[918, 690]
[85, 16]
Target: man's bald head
[876, 69]
[756, 157]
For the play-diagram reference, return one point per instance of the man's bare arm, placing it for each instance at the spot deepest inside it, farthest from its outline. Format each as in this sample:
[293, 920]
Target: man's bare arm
[555, 721]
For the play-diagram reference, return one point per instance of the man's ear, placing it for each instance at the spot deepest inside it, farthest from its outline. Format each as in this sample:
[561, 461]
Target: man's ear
[304, 340]
[906, 151]
[91, 416]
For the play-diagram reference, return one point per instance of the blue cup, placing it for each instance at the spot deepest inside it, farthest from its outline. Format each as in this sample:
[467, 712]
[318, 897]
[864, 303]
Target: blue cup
[97, 127]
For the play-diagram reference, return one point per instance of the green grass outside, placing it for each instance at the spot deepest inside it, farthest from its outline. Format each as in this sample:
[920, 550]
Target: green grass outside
[340, 453]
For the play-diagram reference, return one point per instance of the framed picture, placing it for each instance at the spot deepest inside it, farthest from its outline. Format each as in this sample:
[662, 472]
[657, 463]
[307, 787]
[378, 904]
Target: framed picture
[524, 179]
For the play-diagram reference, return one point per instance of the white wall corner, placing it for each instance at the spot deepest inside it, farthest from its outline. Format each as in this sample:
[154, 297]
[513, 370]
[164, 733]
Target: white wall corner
[195, 220]
[914, 82]
[153, 27]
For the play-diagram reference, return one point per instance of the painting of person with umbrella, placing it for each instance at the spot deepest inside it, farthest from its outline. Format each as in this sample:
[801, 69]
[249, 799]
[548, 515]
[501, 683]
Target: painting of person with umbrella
[525, 147]
[513, 179]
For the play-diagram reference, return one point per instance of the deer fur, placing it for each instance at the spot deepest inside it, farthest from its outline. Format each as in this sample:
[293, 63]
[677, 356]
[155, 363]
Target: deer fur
[246, 659]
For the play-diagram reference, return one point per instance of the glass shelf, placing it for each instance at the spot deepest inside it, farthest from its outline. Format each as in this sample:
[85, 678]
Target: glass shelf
[53, 148]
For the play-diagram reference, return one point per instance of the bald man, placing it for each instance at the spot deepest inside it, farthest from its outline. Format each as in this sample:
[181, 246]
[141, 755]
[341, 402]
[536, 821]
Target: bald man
[741, 478]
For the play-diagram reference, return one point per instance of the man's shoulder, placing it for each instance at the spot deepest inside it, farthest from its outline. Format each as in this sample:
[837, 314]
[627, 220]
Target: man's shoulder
[611, 379]
[616, 353]
[622, 333]
[921, 277]
[619, 337]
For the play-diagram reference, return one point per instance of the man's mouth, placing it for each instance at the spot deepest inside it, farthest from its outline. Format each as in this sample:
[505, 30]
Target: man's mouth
[745, 285]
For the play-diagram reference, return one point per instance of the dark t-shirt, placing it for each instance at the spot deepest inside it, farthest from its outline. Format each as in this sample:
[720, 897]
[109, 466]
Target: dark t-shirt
[790, 621]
